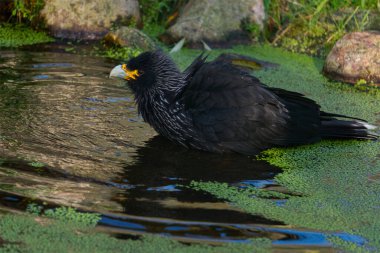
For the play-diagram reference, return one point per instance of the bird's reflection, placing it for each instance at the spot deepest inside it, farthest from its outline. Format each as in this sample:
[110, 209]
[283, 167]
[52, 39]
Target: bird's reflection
[161, 166]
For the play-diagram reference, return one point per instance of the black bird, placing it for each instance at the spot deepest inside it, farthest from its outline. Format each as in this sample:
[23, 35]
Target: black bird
[217, 107]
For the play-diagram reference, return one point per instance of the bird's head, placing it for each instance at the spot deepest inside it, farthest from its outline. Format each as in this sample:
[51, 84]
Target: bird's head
[139, 71]
[148, 72]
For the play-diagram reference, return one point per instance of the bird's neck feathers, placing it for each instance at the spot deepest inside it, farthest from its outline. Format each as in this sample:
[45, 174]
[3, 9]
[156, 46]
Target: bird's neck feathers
[163, 82]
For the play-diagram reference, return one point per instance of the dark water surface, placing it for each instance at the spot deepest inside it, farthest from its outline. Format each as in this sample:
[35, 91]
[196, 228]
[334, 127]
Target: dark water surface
[70, 136]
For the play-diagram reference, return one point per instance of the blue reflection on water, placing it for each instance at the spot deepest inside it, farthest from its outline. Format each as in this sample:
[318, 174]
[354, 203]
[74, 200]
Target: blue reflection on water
[109, 99]
[11, 198]
[257, 183]
[176, 228]
[166, 188]
[121, 186]
[314, 238]
[351, 238]
[280, 202]
[53, 65]
[117, 99]
[121, 224]
[301, 237]
[41, 77]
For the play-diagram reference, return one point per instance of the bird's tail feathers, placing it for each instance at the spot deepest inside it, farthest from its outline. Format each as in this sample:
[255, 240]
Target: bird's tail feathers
[344, 129]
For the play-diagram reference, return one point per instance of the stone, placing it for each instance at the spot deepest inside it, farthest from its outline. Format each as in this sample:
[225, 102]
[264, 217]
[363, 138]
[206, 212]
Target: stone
[215, 20]
[88, 19]
[130, 37]
[355, 57]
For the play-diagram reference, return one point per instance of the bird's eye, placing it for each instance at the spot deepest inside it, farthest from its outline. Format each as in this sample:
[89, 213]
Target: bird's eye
[130, 74]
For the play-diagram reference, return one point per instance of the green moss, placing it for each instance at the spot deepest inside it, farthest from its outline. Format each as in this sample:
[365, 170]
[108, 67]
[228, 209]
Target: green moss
[309, 39]
[15, 36]
[33, 234]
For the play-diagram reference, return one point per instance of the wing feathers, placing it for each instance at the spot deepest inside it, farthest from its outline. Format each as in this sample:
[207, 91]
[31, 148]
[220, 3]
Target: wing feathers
[238, 113]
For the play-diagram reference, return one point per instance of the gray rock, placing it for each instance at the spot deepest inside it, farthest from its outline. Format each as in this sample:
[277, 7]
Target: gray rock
[354, 57]
[87, 19]
[130, 37]
[215, 20]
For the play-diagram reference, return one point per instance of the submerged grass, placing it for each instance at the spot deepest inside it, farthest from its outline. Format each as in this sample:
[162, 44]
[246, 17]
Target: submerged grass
[336, 183]
[18, 35]
[23, 233]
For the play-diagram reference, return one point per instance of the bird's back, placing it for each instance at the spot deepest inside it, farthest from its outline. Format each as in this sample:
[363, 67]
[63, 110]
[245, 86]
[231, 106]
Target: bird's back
[234, 111]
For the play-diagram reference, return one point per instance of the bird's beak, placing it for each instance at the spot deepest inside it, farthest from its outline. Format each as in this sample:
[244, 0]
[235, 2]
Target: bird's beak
[121, 71]
[118, 72]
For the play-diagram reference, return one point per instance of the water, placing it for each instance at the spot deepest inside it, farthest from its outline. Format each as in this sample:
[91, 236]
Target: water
[70, 136]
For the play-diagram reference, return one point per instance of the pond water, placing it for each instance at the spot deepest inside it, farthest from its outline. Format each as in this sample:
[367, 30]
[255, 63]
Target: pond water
[69, 136]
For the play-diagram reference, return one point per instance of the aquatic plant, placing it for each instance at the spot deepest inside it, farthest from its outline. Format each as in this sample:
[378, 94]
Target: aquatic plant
[34, 208]
[65, 214]
[69, 214]
[36, 164]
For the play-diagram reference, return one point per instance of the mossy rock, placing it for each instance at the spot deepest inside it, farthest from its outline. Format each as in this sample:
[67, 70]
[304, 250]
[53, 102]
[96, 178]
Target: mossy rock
[130, 37]
[302, 37]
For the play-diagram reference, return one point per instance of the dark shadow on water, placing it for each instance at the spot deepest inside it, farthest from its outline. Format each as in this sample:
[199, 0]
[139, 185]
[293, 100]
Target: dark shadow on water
[161, 167]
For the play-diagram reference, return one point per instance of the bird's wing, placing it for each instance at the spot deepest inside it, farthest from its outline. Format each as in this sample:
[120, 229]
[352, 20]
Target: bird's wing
[235, 111]
[194, 66]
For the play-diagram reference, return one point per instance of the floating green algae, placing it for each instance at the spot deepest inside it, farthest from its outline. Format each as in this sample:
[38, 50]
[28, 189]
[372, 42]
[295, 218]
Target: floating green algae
[17, 35]
[22, 233]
